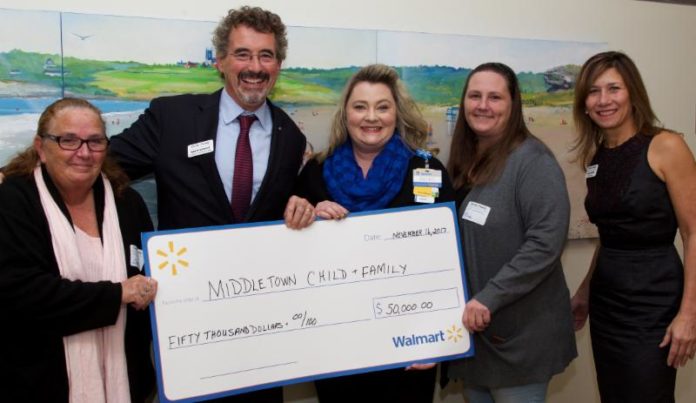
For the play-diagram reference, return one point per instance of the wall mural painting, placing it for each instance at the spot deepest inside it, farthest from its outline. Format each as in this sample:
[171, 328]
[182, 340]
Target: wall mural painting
[120, 63]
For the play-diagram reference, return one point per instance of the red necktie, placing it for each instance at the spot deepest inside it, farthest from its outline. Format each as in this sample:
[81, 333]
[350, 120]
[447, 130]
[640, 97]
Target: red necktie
[243, 171]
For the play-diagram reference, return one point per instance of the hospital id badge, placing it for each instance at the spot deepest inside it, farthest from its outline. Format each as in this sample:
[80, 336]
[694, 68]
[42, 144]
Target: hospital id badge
[427, 177]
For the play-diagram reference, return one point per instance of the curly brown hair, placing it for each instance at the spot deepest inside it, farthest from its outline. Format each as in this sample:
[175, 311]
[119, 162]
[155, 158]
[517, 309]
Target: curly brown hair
[23, 163]
[253, 17]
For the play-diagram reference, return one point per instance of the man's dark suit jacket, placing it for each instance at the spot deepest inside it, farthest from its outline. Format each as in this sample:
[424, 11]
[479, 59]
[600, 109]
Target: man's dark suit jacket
[189, 190]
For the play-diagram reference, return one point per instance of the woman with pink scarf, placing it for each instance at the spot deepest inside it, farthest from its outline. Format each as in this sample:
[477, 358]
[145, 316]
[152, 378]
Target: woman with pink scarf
[73, 300]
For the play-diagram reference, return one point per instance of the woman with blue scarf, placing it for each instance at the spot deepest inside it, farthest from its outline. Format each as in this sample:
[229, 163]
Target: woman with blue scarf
[374, 157]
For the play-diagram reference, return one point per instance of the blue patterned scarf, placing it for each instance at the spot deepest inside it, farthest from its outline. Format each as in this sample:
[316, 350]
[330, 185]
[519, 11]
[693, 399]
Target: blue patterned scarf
[347, 186]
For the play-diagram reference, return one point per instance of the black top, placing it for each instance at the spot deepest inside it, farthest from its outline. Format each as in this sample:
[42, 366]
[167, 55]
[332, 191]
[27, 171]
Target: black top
[190, 192]
[626, 200]
[312, 187]
[39, 307]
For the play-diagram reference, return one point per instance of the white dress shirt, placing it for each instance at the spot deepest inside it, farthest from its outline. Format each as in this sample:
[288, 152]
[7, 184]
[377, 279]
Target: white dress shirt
[226, 142]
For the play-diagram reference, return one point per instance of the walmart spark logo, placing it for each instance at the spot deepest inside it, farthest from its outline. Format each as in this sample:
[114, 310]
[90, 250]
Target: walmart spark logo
[172, 258]
[455, 333]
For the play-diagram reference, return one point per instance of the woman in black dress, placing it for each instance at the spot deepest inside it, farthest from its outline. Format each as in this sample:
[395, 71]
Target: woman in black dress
[641, 181]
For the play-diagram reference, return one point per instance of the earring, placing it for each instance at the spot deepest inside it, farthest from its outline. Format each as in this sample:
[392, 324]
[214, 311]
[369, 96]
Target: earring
[587, 112]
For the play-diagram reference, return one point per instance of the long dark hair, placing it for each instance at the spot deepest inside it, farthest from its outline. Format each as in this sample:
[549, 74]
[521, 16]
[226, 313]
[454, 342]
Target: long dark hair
[589, 135]
[467, 167]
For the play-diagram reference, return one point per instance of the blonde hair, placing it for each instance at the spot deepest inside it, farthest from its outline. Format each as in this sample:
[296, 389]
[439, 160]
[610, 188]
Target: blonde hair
[410, 123]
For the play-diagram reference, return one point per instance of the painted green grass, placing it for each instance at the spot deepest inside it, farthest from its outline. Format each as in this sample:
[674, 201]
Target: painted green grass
[291, 89]
[429, 85]
[151, 81]
[29, 65]
[558, 98]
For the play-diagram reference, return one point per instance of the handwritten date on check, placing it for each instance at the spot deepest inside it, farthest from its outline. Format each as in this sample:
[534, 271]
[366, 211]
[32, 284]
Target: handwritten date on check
[247, 307]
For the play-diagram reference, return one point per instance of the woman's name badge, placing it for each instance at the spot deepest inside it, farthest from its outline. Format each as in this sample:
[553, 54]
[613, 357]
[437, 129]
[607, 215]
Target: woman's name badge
[476, 212]
[136, 257]
[427, 177]
[591, 171]
[424, 199]
[426, 191]
[425, 194]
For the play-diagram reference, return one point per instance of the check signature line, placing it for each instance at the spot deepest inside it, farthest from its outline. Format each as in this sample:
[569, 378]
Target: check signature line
[235, 338]
[282, 364]
[309, 287]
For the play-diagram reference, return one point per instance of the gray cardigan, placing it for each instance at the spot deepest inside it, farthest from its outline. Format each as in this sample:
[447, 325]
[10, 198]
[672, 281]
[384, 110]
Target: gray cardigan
[514, 268]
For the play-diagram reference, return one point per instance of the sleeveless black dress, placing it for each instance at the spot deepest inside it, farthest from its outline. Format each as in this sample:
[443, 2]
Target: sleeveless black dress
[637, 284]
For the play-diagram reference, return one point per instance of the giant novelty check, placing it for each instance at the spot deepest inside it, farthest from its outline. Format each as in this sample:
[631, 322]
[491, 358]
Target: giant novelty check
[247, 307]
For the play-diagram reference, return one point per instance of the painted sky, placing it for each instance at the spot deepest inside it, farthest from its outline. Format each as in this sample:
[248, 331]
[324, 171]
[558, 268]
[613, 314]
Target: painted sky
[33, 31]
[414, 49]
[144, 40]
[329, 48]
[162, 41]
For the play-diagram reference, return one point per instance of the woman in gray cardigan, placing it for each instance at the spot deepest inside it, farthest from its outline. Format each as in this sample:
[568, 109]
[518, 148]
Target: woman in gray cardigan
[514, 221]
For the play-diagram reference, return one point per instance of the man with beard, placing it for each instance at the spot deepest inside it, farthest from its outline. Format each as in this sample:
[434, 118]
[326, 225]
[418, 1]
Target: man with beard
[192, 143]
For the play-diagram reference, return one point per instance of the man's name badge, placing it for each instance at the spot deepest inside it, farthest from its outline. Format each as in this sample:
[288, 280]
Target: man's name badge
[204, 147]
[591, 171]
[476, 212]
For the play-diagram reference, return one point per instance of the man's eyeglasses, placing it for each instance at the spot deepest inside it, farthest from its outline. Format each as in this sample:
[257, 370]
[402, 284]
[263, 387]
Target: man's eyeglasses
[72, 143]
[265, 57]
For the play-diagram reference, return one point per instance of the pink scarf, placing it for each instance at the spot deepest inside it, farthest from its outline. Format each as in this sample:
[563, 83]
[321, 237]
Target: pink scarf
[95, 359]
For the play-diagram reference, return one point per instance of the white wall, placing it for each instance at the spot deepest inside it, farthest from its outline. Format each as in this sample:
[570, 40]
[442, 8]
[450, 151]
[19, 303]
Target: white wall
[660, 38]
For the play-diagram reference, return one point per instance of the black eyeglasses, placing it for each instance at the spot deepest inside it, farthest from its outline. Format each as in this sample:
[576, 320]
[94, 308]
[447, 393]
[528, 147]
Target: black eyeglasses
[72, 143]
[244, 56]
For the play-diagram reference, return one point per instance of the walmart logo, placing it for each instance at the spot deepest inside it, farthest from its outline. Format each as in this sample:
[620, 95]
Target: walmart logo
[172, 257]
[454, 334]
[414, 340]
